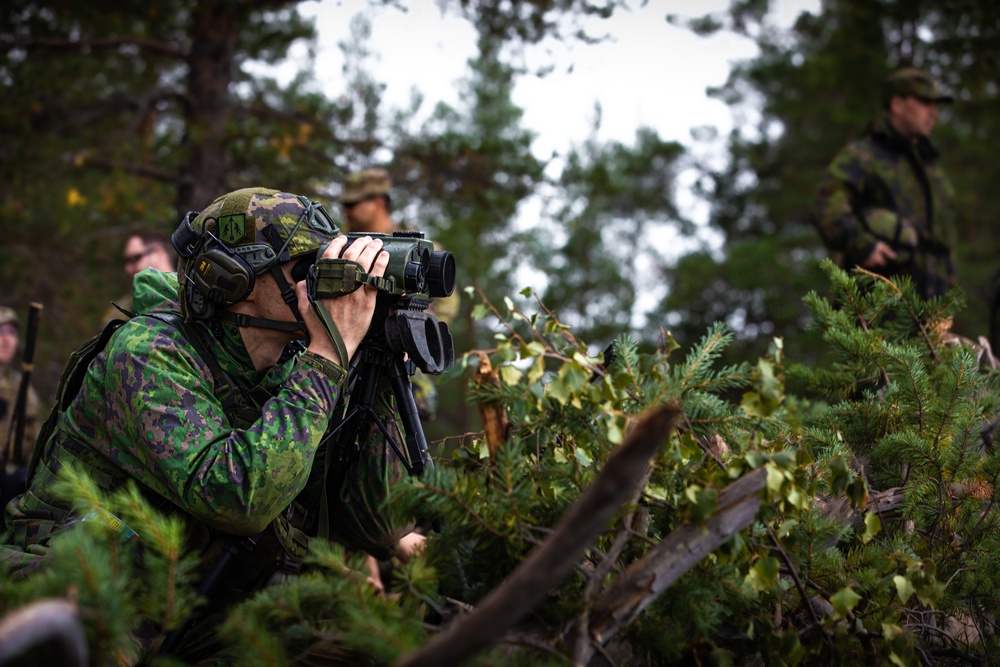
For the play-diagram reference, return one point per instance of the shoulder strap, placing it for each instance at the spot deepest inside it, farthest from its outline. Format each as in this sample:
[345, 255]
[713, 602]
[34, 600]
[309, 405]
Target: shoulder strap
[225, 387]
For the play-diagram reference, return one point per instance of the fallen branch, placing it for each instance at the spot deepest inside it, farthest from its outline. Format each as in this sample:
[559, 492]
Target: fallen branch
[54, 624]
[551, 562]
[677, 553]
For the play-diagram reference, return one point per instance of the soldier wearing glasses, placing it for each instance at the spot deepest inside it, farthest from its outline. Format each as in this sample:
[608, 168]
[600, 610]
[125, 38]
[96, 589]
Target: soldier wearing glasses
[143, 250]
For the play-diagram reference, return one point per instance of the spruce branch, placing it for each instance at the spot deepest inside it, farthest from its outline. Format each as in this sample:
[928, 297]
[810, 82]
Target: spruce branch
[658, 569]
[548, 564]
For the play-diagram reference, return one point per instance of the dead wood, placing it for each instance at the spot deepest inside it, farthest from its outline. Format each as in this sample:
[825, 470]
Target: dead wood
[551, 562]
[655, 572]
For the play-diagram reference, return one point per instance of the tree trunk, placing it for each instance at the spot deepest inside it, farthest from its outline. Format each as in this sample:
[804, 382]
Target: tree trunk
[214, 28]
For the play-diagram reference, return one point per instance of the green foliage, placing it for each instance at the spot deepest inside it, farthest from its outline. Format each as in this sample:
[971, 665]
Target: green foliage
[812, 87]
[831, 570]
[617, 209]
[96, 565]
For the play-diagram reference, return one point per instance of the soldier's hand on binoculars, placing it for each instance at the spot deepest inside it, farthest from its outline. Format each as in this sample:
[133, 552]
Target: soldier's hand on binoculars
[351, 313]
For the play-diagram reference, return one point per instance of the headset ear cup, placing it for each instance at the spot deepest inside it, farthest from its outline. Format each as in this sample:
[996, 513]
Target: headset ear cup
[222, 276]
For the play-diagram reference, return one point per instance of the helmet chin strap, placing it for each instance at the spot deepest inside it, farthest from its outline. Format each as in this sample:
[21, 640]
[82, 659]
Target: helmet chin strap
[287, 295]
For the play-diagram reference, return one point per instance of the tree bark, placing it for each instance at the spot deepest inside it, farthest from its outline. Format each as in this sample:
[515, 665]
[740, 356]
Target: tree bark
[651, 575]
[214, 28]
[53, 623]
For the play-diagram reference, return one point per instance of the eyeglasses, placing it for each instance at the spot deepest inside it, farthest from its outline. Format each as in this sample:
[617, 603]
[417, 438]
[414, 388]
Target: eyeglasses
[8, 329]
[349, 205]
[133, 259]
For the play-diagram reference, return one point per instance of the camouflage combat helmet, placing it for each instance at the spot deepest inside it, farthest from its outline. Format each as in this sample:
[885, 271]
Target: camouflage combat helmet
[241, 235]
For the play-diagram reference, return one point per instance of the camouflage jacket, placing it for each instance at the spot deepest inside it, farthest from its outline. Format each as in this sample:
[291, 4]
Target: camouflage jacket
[880, 170]
[148, 411]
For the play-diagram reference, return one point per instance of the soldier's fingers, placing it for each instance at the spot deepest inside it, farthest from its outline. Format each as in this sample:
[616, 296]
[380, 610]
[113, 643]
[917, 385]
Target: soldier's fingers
[380, 264]
[356, 248]
[335, 248]
[368, 254]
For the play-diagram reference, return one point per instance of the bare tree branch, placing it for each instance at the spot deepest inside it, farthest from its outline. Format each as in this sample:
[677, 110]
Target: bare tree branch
[135, 169]
[148, 45]
[549, 564]
[54, 623]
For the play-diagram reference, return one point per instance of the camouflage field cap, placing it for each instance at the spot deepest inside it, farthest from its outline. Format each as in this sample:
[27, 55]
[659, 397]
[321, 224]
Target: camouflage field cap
[8, 316]
[364, 184]
[913, 82]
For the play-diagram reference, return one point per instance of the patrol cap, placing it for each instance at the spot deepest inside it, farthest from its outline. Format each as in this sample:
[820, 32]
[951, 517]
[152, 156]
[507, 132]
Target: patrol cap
[9, 316]
[913, 82]
[364, 184]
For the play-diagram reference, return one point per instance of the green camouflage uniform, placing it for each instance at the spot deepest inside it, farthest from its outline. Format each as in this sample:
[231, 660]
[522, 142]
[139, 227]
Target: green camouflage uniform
[149, 411]
[882, 172]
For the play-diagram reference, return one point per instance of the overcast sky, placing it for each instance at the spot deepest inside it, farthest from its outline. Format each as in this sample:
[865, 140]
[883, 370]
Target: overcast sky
[650, 73]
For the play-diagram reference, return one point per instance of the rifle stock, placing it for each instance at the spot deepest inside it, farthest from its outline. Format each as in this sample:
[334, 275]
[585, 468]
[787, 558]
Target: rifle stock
[14, 451]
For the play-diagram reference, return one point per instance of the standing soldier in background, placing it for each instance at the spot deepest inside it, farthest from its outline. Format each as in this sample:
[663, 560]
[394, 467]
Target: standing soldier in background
[10, 381]
[367, 206]
[884, 203]
[366, 202]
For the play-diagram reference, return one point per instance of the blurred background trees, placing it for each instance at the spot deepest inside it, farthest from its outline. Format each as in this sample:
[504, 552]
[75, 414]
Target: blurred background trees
[123, 116]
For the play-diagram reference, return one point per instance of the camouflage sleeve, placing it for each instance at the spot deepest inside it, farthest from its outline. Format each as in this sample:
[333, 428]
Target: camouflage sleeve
[174, 436]
[835, 214]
